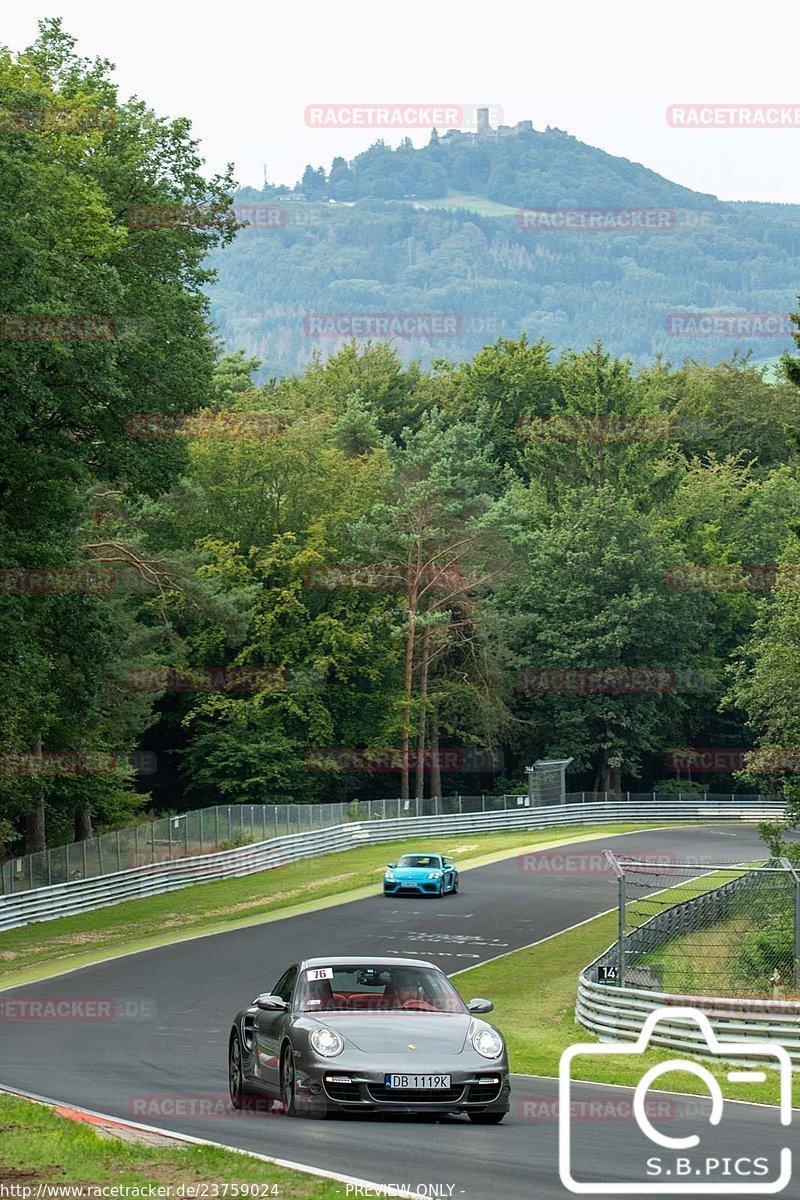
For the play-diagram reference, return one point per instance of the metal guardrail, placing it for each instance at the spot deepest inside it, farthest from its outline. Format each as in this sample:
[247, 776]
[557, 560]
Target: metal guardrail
[84, 895]
[617, 1014]
[224, 826]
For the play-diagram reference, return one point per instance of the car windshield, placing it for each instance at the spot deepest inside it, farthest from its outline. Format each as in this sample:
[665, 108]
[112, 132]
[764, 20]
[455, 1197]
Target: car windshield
[431, 861]
[384, 987]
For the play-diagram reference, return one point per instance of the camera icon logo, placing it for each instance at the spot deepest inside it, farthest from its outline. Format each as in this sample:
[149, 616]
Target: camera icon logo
[676, 1171]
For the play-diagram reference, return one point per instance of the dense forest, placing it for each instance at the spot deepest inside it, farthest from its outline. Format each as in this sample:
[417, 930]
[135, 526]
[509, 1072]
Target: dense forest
[375, 576]
[450, 228]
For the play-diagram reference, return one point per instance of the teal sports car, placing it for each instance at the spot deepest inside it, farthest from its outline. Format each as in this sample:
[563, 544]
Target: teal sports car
[420, 875]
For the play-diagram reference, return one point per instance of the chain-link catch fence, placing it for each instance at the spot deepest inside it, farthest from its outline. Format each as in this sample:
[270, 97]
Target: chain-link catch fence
[706, 929]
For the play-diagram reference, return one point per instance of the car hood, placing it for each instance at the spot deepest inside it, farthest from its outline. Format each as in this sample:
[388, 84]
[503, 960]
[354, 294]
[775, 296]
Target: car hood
[379, 1033]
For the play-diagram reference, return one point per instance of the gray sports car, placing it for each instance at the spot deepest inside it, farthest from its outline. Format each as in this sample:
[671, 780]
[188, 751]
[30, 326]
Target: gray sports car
[365, 1034]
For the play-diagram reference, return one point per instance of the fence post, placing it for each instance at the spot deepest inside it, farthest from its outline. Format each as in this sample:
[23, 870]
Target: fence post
[264, 821]
[186, 834]
[796, 932]
[67, 865]
[30, 871]
[49, 869]
[169, 836]
[621, 932]
[201, 831]
[119, 854]
[613, 861]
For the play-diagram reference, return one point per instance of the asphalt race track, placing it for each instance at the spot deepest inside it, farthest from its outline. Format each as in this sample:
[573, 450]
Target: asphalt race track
[176, 1003]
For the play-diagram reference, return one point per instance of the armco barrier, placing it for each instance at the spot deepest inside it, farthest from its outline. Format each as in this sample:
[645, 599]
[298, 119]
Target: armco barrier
[84, 895]
[617, 1014]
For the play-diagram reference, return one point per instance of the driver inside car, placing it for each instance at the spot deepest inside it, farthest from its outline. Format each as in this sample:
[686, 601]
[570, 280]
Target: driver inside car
[403, 988]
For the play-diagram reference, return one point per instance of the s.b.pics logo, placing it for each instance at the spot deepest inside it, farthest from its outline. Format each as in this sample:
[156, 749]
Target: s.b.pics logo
[700, 1155]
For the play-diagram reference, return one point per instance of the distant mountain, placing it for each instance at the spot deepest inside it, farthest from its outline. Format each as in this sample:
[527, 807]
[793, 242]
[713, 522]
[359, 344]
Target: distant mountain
[445, 247]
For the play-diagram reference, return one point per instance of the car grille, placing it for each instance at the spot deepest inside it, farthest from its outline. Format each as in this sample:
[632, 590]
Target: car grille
[484, 1093]
[341, 1092]
[384, 1095]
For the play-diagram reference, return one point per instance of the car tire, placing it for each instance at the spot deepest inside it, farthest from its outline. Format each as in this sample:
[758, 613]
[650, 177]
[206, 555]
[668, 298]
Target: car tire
[486, 1118]
[311, 1107]
[455, 886]
[235, 1073]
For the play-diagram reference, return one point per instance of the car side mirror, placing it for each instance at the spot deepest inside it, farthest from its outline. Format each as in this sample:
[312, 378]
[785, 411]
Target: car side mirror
[480, 1006]
[390, 864]
[269, 1003]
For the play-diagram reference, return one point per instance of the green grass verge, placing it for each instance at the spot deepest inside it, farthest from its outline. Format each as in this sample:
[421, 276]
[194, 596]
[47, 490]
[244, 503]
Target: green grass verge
[39, 1146]
[534, 996]
[36, 951]
[477, 204]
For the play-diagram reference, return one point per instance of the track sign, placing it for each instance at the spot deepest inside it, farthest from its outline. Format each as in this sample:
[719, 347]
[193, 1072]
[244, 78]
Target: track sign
[607, 974]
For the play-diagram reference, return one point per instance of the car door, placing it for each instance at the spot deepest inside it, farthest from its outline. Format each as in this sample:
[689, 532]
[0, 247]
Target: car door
[449, 874]
[270, 1027]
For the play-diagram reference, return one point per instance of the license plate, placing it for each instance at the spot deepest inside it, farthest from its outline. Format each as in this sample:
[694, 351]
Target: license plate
[420, 1083]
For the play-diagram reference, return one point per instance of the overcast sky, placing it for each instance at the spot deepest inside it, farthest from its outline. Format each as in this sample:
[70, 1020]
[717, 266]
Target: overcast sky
[245, 72]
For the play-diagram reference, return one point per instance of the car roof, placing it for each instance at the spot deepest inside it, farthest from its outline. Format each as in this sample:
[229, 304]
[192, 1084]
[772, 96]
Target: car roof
[360, 960]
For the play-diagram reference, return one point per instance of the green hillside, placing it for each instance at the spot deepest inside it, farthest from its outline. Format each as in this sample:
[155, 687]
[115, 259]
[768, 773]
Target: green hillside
[439, 230]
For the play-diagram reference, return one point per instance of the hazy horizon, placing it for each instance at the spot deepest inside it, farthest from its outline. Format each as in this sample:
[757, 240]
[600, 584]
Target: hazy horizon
[246, 84]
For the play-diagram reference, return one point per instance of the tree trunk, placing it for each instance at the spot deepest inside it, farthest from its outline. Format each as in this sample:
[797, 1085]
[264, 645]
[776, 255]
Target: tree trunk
[34, 835]
[83, 823]
[436, 766]
[408, 681]
[34, 838]
[423, 692]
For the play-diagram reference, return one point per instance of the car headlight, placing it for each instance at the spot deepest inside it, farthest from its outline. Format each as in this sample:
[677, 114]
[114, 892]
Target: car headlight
[434, 875]
[488, 1043]
[390, 876]
[327, 1042]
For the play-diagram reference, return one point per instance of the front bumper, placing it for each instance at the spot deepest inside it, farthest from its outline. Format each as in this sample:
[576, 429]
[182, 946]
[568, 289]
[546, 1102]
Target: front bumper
[481, 1090]
[412, 887]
